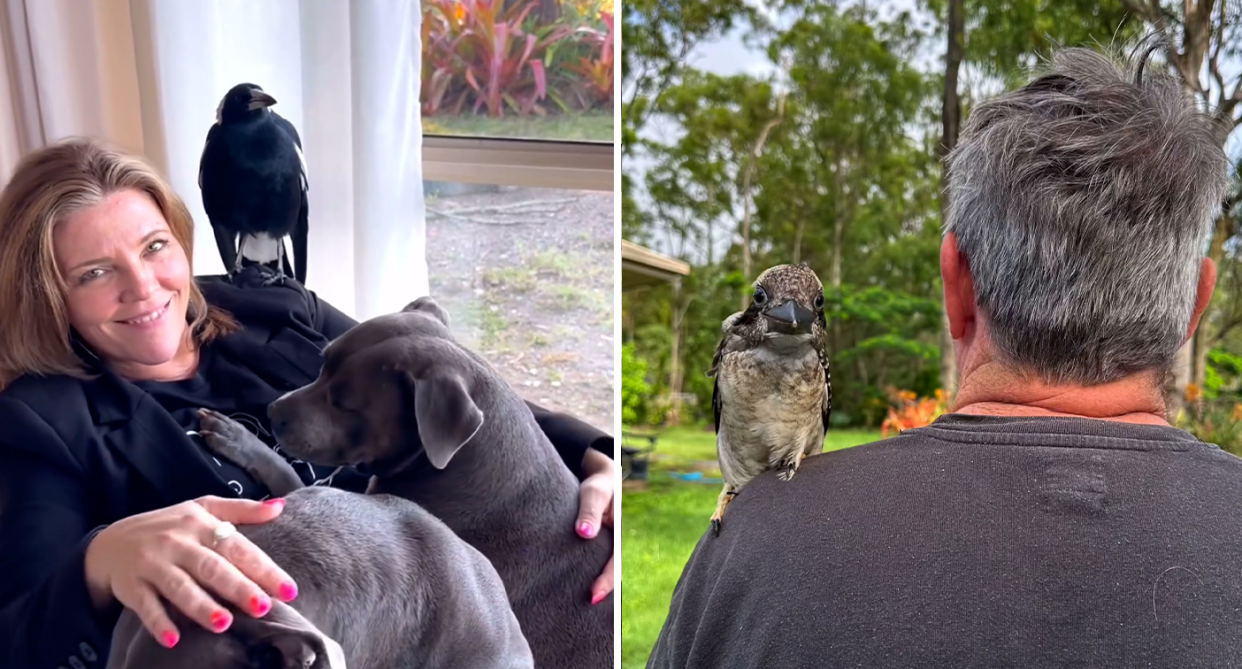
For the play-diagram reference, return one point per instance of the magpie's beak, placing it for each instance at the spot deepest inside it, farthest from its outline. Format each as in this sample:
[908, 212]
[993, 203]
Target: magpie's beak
[790, 318]
[259, 100]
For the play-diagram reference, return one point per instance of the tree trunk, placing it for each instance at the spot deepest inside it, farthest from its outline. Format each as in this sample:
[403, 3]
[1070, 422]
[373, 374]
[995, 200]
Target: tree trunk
[950, 116]
[1196, 36]
[675, 373]
[797, 249]
[834, 278]
[748, 174]
[1226, 228]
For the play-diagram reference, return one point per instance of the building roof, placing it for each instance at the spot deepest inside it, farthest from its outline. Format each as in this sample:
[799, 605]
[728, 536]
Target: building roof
[640, 266]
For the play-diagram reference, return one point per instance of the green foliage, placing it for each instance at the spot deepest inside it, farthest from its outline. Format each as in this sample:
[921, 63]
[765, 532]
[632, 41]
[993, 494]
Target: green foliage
[1005, 38]
[1218, 423]
[1224, 375]
[634, 387]
[493, 57]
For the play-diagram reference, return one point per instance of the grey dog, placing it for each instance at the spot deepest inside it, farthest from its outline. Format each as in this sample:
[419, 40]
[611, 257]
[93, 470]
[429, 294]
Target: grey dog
[377, 573]
[437, 425]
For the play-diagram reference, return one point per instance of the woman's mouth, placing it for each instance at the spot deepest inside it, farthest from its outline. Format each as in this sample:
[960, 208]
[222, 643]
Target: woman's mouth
[151, 318]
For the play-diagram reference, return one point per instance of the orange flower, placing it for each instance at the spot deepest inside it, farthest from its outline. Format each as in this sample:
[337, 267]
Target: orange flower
[1237, 412]
[459, 11]
[1193, 394]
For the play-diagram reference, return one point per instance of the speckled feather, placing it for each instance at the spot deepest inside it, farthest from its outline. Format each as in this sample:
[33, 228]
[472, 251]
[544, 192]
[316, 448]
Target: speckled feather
[772, 397]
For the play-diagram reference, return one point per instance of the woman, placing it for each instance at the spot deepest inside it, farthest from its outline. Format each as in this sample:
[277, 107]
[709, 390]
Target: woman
[108, 347]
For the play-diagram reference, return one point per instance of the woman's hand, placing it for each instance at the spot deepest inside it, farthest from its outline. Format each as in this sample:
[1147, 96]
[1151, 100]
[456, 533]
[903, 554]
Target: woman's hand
[169, 552]
[595, 509]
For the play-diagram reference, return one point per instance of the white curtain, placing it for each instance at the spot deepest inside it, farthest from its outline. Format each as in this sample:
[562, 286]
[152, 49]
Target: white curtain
[148, 75]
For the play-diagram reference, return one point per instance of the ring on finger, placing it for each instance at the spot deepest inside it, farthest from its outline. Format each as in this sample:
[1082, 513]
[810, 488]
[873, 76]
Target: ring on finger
[223, 531]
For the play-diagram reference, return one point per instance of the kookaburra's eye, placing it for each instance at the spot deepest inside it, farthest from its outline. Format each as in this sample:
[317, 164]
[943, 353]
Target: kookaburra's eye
[761, 297]
[819, 301]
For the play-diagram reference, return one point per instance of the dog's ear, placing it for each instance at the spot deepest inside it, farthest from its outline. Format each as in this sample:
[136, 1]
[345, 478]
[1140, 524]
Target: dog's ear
[428, 305]
[284, 639]
[447, 416]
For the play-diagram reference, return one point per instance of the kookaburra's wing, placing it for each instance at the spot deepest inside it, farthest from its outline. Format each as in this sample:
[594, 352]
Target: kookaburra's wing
[720, 350]
[827, 410]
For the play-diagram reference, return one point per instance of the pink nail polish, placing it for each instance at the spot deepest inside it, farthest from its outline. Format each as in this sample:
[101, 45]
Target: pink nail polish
[170, 639]
[220, 620]
[288, 592]
[279, 502]
[586, 529]
[598, 598]
[260, 605]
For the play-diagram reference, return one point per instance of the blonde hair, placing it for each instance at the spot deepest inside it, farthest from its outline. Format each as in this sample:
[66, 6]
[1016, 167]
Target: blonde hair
[48, 186]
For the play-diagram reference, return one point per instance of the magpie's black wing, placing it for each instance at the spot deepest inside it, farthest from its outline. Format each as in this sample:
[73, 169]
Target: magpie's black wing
[212, 133]
[301, 229]
[212, 166]
[292, 132]
[285, 125]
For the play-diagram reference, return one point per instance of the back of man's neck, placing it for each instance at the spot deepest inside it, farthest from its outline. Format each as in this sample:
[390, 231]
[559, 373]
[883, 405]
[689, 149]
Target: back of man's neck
[994, 389]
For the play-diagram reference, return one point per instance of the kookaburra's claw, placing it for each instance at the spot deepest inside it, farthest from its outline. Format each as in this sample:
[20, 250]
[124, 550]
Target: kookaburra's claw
[726, 496]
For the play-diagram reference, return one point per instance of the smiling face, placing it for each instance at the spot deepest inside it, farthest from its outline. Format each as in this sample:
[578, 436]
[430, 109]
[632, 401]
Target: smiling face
[127, 283]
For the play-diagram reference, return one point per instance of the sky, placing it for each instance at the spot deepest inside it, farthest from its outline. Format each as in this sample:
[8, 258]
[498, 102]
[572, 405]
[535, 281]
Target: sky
[730, 55]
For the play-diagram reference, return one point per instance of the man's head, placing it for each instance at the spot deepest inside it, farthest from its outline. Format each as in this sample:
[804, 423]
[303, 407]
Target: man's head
[1082, 207]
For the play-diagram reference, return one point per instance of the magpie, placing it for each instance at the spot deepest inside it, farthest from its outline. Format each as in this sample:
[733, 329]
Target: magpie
[252, 175]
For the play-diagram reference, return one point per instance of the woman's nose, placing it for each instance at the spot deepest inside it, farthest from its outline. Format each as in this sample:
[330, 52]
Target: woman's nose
[141, 282]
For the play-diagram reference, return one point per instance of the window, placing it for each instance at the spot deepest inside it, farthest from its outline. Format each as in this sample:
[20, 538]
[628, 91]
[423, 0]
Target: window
[518, 183]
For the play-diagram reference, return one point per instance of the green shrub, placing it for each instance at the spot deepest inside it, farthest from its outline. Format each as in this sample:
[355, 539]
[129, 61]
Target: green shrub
[634, 387]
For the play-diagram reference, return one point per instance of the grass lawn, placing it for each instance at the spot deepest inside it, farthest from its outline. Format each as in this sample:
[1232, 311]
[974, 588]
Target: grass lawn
[661, 525]
[590, 126]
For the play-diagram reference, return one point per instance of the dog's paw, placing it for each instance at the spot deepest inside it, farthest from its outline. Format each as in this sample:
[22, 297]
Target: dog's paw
[224, 436]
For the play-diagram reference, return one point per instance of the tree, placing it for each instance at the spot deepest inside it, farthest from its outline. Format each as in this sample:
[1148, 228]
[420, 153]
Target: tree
[1198, 34]
[951, 115]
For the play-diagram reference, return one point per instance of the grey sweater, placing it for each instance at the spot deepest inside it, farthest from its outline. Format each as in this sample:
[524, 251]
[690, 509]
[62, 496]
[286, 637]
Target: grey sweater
[976, 542]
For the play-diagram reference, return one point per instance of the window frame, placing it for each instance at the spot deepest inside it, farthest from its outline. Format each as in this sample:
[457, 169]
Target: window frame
[532, 163]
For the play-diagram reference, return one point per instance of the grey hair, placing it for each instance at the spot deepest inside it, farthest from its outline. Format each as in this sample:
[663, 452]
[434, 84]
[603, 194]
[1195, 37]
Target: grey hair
[1084, 203]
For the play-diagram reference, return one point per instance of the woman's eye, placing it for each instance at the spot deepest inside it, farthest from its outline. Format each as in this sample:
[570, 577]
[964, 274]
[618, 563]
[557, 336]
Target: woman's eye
[157, 245]
[91, 275]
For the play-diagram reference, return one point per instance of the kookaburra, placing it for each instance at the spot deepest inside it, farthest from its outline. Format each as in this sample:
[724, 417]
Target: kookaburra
[773, 391]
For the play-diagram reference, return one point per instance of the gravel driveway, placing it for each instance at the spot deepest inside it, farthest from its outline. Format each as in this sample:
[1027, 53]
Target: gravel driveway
[526, 275]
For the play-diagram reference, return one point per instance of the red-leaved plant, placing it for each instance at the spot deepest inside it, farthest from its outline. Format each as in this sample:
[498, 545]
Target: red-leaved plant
[479, 54]
[595, 71]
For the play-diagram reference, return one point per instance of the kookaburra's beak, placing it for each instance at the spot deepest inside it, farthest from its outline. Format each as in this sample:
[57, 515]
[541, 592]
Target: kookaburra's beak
[259, 100]
[790, 317]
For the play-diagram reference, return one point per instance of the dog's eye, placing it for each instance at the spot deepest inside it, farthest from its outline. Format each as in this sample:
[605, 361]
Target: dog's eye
[266, 656]
[761, 297]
